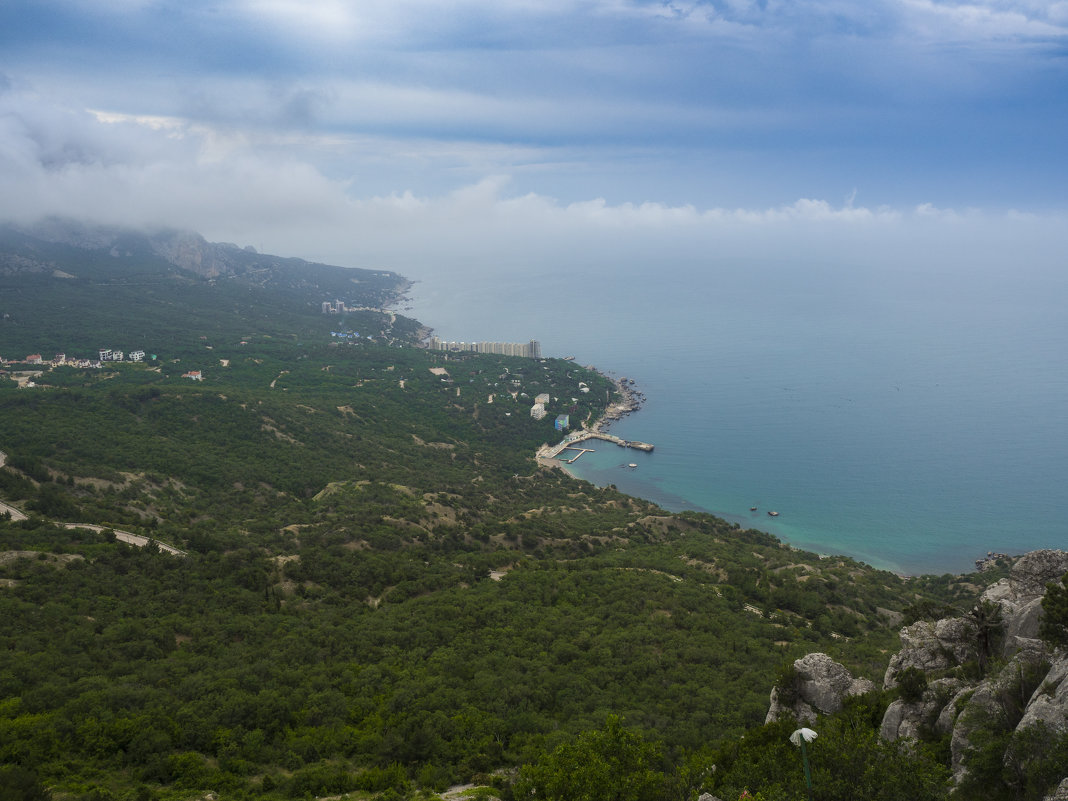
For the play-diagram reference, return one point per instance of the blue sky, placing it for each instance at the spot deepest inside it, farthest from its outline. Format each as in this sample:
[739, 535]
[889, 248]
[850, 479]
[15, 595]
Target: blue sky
[335, 129]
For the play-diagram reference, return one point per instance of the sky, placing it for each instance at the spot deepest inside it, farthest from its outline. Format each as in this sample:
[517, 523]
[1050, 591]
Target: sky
[421, 135]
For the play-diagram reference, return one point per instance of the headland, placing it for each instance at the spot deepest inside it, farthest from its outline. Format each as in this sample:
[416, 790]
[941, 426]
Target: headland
[630, 401]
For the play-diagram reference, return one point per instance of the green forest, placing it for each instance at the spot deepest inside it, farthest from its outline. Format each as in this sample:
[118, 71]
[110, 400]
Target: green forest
[379, 592]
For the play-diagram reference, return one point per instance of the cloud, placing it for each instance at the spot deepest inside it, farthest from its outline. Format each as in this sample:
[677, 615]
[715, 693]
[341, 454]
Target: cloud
[986, 20]
[686, 102]
[267, 187]
[154, 169]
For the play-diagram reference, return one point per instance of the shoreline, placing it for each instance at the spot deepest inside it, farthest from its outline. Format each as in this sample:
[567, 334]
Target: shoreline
[632, 400]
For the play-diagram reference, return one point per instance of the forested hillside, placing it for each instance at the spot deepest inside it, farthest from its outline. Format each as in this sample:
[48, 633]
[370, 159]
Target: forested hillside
[381, 592]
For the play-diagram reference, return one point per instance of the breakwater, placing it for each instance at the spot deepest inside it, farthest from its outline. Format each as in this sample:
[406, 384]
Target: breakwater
[630, 401]
[572, 440]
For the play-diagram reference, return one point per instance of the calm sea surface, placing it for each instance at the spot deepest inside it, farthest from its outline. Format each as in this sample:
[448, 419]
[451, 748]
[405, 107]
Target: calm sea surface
[911, 421]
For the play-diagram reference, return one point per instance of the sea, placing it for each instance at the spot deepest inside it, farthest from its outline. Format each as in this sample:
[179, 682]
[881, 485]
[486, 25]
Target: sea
[915, 420]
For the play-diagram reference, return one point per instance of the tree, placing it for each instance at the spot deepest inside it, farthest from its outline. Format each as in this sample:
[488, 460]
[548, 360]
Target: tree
[610, 764]
[1054, 627]
[986, 617]
[911, 684]
[21, 784]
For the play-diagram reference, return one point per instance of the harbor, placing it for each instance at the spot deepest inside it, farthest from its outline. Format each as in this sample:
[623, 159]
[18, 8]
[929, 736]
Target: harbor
[572, 442]
[631, 401]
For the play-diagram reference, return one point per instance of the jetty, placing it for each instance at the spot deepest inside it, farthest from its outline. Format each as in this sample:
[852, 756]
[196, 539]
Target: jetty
[577, 455]
[571, 441]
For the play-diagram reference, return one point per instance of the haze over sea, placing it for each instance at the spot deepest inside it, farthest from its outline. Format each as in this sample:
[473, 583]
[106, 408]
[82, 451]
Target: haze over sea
[911, 418]
[826, 238]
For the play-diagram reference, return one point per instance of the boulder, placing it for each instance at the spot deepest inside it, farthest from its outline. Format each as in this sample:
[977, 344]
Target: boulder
[904, 719]
[932, 647]
[822, 686]
[947, 718]
[982, 704]
[1033, 571]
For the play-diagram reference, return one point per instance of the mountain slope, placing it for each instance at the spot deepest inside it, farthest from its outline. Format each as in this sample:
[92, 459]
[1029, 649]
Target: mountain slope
[383, 590]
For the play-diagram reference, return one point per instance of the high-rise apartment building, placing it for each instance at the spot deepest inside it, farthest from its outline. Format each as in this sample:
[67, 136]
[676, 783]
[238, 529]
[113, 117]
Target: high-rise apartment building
[531, 349]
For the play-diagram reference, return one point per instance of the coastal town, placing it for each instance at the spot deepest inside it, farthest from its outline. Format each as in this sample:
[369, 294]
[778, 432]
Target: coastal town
[63, 360]
[631, 400]
[26, 371]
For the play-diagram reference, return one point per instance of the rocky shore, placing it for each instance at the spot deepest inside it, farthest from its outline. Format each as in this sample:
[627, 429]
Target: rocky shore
[631, 401]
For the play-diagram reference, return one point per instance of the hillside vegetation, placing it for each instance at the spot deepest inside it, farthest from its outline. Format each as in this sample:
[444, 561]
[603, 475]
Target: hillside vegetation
[382, 593]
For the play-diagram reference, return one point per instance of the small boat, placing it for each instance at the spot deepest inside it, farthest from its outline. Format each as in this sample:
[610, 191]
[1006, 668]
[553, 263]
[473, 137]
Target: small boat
[632, 465]
[752, 508]
[773, 514]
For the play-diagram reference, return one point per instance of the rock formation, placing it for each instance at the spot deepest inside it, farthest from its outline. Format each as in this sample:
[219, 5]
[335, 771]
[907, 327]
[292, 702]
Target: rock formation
[1020, 596]
[957, 692]
[907, 718]
[931, 647]
[1060, 794]
[1033, 678]
[822, 685]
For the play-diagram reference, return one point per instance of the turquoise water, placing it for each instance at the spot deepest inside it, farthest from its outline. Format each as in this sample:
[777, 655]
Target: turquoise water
[913, 421]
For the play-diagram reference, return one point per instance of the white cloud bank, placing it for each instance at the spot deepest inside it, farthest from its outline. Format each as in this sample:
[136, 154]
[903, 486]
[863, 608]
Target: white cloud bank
[162, 171]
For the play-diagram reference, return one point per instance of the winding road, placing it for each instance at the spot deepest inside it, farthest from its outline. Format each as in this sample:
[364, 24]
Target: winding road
[123, 536]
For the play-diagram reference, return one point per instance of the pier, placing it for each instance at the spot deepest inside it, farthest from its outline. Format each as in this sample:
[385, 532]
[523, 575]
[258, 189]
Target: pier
[577, 455]
[572, 440]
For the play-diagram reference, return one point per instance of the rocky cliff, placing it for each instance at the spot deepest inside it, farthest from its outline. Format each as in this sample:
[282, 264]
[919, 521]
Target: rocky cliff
[961, 675]
[948, 652]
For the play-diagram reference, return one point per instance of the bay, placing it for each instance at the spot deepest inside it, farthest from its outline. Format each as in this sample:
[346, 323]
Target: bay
[911, 419]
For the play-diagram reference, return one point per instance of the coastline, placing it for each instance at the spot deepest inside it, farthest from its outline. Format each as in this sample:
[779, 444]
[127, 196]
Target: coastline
[892, 458]
[630, 401]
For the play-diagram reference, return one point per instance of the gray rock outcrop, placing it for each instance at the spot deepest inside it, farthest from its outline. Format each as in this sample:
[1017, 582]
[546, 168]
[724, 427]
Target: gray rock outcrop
[1049, 702]
[947, 643]
[990, 698]
[1029, 690]
[822, 686]
[932, 647]
[1020, 596]
[905, 719]
[1060, 794]
[952, 705]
